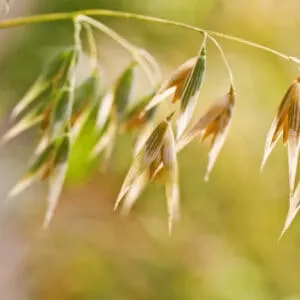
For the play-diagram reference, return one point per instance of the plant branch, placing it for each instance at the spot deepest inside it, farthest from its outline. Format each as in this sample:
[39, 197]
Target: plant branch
[119, 14]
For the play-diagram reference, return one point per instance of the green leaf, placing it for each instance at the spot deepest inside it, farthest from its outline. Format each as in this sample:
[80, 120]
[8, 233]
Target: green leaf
[191, 91]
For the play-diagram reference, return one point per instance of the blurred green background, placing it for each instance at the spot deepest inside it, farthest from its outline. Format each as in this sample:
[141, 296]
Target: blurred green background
[225, 247]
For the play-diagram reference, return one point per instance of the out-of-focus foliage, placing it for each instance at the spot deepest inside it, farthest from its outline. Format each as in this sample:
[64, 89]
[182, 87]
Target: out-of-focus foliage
[225, 246]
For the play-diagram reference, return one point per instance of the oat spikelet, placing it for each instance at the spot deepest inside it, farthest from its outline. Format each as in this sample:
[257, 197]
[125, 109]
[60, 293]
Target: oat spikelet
[173, 87]
[191, 91]
[143, 159]
[287, 124]
[169, 160]
[294, 207]
[215, 123]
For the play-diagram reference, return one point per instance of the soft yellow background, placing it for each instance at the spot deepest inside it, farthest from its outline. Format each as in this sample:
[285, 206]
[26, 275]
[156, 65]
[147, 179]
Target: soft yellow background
[225, 247]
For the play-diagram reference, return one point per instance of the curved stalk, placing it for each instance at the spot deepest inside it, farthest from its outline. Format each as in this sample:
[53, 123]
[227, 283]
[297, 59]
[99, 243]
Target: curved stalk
[92, 46]
[119, 14]
[224, 59]
[133, 50]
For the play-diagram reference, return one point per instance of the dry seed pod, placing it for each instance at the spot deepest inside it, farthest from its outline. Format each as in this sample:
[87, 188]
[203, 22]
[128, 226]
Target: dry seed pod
[294, 207]
[148, 153]
[174, 85]
[136, 190]
[169, 160]
[158, 149]
[287, 124]
[215, 122]
[137, 116]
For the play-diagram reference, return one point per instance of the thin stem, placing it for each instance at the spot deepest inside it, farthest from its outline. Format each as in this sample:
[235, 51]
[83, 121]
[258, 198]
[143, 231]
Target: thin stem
[152, 62]
[118, 14]
[92, 45]
[77, 31]
[223, 58]
[134, 51]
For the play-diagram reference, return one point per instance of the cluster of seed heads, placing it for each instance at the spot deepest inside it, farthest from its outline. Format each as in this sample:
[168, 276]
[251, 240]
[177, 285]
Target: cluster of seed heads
[62, 108]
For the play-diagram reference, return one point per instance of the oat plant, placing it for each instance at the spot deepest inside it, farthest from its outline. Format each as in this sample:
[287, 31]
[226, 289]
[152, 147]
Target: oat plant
[61, 108]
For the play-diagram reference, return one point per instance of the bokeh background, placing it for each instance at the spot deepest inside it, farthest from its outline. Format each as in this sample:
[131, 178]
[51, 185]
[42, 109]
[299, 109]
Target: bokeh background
[225, 247]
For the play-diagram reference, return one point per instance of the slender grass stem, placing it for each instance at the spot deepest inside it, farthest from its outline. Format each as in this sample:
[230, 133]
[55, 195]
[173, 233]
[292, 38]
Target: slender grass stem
[133, 50]
[77, 31]
[224, 59]
[119, 14]
[92, 46]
